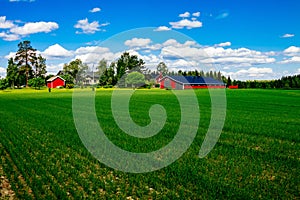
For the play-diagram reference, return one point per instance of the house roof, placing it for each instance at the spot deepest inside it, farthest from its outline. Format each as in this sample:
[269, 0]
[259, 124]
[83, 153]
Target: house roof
[54, 77]
[195, 80]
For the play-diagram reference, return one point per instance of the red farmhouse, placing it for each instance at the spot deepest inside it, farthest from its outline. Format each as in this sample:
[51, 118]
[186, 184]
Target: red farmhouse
[189, 82]
[55, 81]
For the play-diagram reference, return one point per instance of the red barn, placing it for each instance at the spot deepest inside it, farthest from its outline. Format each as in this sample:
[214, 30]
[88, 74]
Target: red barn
[55, 81]
[233, 87]
[189, 82]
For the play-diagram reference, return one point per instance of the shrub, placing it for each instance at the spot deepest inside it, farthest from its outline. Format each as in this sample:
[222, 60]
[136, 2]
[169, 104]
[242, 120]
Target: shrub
[69, 86]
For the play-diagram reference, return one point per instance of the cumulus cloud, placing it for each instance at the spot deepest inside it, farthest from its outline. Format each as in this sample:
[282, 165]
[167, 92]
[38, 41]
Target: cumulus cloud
[9, 37]
[288, 35]
[162, 28]
[54, 68]
[240, 57]
[196, 14]
[292, 50]
[56, 51]
[292, 54]
[88, 28]
[251, 73]
[95, 10]
[10, 55]
[5, 24]
[92, 54]
[2, 70]
[224, 44]
[294, 59]
[138, 42]
[184, 15]
[34, 27]
[14, 32]
[186, 23]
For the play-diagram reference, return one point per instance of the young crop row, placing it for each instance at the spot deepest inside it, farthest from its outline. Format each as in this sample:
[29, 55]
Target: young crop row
[257, 156]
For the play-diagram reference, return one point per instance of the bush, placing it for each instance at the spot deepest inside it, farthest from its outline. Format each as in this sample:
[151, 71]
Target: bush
[3, 84]
[69, 86]
[157, 85]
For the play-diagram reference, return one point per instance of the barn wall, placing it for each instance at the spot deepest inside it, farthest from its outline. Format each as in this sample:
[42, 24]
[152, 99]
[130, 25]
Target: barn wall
[178, 86]
[56, 83]
[162, 84]
[167, 83]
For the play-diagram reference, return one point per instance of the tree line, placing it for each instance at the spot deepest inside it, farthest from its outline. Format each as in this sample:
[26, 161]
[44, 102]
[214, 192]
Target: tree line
[286, 82]
[28, 69]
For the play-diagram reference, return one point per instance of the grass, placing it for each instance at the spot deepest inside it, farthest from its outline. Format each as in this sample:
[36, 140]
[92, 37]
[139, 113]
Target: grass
[256, 157]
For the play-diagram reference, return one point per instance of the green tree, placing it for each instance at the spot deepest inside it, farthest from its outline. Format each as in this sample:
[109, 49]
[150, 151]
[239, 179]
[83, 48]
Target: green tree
[135, 79]
[228, 81]
[4, 84]
[125, 64]
[36, 82]
[68, 78]
[12, 73]
[76, 69]
[25, 58]
[40, 67]
[101, 67]
[162, 68]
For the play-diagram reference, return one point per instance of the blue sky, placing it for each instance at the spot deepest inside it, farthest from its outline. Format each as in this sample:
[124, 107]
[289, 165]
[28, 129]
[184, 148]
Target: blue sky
[242, 38]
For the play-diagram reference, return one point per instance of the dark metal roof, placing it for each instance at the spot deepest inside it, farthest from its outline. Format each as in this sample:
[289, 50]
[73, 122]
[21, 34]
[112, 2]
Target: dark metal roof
[195, 80]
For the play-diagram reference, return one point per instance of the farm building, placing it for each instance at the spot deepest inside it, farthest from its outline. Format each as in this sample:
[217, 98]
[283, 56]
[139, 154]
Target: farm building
[189, 82]
[91, 78]
[55, 81]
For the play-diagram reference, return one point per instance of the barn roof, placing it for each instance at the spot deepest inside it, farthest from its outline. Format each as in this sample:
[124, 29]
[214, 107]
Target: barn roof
[54, 77]
[195, 80]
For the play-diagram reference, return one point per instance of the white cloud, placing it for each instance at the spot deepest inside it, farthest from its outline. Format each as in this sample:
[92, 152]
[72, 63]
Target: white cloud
[2, 70]
[298, 71]
[88, 28]
[223, 44]
[34, 27]
[251, 73]
[5, 24]
[288, 35]
[95, 10]
[294, 59]
[54, 68]
[186, 14]
[223, 15]
[186, 23]
[189, 50]
[92, 54]
[15, 32]
[91, 49]
[138, 42]
[10, 55]
[162, 28]
[56, 51]
[292, 50]
[196, 14]
[9, 37]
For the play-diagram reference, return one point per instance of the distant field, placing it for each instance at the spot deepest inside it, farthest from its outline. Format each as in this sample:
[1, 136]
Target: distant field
[256, 157]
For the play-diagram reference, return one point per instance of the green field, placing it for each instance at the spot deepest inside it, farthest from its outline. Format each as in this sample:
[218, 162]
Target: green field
[256, 157]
